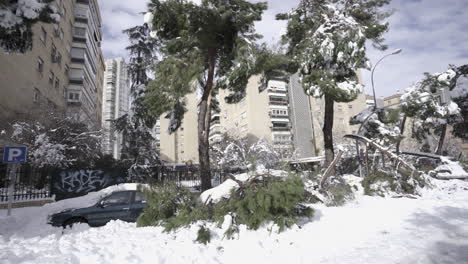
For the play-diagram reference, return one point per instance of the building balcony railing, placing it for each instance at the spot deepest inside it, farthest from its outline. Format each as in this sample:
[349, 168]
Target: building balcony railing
[278, 103]
[279, 116]
[281, 129]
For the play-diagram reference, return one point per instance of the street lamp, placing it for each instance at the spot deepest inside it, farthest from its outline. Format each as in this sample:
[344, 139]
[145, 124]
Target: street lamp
[395, 52]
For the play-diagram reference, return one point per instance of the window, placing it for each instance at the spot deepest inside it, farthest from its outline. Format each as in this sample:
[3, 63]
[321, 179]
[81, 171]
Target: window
[73, 96]
[43, 35]
[57, 83]
[117, 198]
[350, 106]
[36, 95]
[79, 31]
[40, 64]
[139, 198]
[51, 77]
[54, 53]
[59, 58]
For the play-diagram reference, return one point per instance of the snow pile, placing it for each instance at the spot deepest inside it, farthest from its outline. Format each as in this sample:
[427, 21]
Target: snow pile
[224, 189]
[22, 224]
[450, 169]
[431, 229]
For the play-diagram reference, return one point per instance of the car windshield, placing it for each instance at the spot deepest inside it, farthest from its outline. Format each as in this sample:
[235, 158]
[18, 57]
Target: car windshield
[117, 198]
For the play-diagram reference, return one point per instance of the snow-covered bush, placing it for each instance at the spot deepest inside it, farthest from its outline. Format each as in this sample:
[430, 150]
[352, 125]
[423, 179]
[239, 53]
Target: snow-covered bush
[383, 183]
[169, 206]
[380, 126]
[270, 199]
[242, 154]
[57, 142]
[257, 202]
[434, 103]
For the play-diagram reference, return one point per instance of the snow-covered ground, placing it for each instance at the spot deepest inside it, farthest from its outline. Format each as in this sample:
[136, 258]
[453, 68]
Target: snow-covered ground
[431, 229]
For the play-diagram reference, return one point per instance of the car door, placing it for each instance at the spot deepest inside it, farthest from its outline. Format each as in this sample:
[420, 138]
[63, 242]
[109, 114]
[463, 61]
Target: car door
[116, 206]
[138, 204]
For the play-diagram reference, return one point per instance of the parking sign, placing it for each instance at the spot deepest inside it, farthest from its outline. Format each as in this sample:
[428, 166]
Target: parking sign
[14, 155]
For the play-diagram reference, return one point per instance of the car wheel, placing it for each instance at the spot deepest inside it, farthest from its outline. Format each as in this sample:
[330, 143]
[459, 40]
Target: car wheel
[72, 221]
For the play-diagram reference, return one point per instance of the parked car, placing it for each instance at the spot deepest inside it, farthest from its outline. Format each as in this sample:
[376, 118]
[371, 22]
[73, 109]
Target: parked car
[119, 205]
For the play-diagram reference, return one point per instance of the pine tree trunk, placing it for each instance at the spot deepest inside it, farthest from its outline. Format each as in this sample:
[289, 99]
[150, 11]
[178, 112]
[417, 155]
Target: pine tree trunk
[204, 118]
[328, 130]
[441, 140]
[402, 131]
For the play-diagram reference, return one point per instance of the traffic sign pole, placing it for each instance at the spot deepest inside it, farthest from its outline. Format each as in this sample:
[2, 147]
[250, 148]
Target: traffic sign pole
[14, 156]
[11, 189]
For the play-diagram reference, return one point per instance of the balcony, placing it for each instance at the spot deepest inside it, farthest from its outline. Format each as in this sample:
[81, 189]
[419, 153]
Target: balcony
[81, 15]
[281, 129]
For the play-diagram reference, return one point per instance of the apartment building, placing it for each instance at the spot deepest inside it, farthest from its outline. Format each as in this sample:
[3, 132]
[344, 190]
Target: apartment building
[392, 101]
[182, 145]
[262, 114]
[115, 103]
[36, 82]
[84, 93]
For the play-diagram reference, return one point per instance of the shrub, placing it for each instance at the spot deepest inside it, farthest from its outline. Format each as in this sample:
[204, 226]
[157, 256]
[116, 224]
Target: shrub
[269, 199]
[381, 182]
[203, 235]
[338, 192]
[169, 206]
[260, 201]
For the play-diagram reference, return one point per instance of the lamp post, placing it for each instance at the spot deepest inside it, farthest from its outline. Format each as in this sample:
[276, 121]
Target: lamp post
[395, 52]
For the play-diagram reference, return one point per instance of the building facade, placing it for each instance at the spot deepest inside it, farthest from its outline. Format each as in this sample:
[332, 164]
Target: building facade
[84, 93]
[36, 82]
[182, 145]
[263, 114]
[115, 104]
[62, 73]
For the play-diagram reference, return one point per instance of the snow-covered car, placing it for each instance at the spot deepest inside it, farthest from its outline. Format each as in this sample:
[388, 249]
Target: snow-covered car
[124, 205]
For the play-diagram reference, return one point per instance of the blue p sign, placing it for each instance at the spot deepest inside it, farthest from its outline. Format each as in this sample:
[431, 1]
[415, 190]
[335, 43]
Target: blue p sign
[14, 155]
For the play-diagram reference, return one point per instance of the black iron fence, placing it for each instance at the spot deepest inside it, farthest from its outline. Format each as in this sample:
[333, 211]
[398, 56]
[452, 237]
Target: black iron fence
[188, 177]
[38, 184]
[29, 183]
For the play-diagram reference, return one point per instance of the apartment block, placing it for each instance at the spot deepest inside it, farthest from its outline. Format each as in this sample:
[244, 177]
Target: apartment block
[392, 101]
[36, 82]
[84, 93]
[262, 114]
[182, 145]
[115, 103]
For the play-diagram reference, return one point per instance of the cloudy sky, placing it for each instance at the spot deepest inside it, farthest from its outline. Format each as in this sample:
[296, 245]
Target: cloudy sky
[432, 34]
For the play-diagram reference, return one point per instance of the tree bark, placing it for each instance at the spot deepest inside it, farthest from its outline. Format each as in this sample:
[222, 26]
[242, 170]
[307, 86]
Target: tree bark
[402, 131]
[328, 130]
[204, 118]
[441, 140]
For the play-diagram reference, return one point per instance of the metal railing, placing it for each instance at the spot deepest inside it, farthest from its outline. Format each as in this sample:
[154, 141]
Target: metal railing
[29, 183]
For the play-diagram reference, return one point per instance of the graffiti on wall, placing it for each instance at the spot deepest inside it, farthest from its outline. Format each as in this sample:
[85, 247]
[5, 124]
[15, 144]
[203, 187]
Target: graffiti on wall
[67, 184]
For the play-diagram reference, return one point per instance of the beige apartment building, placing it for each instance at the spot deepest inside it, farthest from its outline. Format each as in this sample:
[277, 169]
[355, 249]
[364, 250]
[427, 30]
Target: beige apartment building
[63, 72]
[36, 82]
[392, 101]
[262, 114]
[182, 145]
[343, 114]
